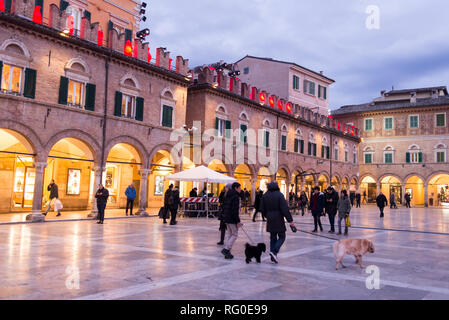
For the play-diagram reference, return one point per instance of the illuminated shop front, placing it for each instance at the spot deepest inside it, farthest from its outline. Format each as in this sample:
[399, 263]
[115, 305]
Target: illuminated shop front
[282, 180]
[263, 178]
[438, 190]
[161, 166]
[323, 182]
[243, 175]
[415, 187]
[390, 184]
[369, 186]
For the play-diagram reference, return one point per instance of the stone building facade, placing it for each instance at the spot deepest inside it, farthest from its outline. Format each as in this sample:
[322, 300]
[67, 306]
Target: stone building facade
[404, 148]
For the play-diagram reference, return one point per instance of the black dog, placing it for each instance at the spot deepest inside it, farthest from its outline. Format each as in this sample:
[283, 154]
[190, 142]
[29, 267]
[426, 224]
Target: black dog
[254, 252]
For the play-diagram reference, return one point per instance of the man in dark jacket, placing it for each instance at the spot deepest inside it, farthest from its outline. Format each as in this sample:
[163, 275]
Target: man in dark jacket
[381, 202]
[407, 198]
[231, 218]
[53, 188]
[259, 195]
[221, 199]
[358, 199]
[316, 205]
[193, 193]
[174, 204]
[274, 206]
[331, 206]
[101, 195]
[167, 202]
[352, 197]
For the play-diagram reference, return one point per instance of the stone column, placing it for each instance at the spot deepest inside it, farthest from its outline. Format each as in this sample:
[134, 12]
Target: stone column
[426, 196]
[378, 189]
[403, 194]
[36, 214]
[253, 189]
[98, 172]
[143, 197]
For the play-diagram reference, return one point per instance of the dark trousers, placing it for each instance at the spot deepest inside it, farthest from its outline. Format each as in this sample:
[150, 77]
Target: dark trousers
[222, 230]
[276, 241]
[331, 221]
[129, 204]
[407, 204]
[255, 214]
[302, 209]
[317, 222]
[358, 204]
[101, 207]
[381, 211]
[339, 224]
[173, 214]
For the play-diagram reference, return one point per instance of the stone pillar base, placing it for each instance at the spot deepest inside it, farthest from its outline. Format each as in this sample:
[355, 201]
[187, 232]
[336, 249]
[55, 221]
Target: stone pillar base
[35, 216]
[142, 213]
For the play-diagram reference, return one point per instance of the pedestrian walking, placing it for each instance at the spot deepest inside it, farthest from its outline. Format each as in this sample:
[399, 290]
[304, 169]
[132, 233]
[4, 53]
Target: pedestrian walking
[259, 195]
[130, 196]
[381, 202]
[407, 198]
[393, 201]
[316, 205]
[275, 208]
[364, 200]
[331, 206]
[174, 205]
[167, 202]
[101, 195]
[352, 197]
[222, 227]
[344, 208]
[231, 218]
[357, 199]
[303, 201]
[53, 188]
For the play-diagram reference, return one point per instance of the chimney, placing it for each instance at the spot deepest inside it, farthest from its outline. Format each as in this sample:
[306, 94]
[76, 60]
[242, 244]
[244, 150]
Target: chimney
[434, 94]
[321, 72]
[382, 93]
[413, 97]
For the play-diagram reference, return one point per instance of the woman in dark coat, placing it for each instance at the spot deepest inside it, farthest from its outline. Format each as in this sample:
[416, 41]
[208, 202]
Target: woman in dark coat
[275, 208]
[259, 195]
[222, 228]
[167, 202]
[316, 205]
[101, 195]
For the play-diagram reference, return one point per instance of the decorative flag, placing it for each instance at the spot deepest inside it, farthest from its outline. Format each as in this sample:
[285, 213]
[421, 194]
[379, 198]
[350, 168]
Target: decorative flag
[149, 55]
[100, 37]
[37, 16]
[70, 25]
[2, 5]
[128, 48]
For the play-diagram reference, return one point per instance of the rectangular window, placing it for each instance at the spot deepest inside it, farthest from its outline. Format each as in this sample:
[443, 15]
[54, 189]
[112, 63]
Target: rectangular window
[220, 127]
[354, 158]
[284, 143]
[309, 87]
[368, 158]
[296, 82]
[388, 123]
[243, 132]
[245, 70]
[128, 106]
[11, 79]
[440, 119]
[414, 157]
[388, 158]
[75, 93]
[167, 116]
[368, 124]
[346, 156]
[414, 122]
[336, 154]
[441, 156]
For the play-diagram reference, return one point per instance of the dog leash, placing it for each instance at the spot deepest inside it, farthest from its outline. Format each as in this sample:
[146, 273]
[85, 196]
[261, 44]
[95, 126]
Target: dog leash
[249, 238]
[318, 235]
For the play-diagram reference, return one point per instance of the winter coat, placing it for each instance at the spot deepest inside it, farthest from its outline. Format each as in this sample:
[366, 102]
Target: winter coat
[407, 197]
[174, 202]
[357, 197]
[102, 196]
[274, 206]
[381, 201]
[53, 188]
[331, 207]
[392, 198]
[343, 207]
[167, 197]
[303, 199]
[259, 196]
[320, 204]
[130, 193]
[193, 194]
[221, 199]
[231, 207]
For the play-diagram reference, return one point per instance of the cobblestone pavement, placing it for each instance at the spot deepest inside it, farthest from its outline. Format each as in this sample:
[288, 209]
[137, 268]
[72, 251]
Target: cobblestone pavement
[141, 258]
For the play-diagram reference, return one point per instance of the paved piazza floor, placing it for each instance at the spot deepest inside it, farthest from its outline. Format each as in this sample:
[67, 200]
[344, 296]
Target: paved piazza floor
[140, 258]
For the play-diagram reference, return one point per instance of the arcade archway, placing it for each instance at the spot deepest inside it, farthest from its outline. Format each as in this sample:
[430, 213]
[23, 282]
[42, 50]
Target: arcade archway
[438, 190]
[243, 175]
[264, 176]
[323, 182]
[335, 182]
[390, 184]
[368, 189]
[415, 187]
[283, 181]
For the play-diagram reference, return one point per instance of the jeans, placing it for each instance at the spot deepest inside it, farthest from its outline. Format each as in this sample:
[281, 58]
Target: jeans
[129, 204]
[317, 221]
[232, 233]
[302, 210]
[332, 221]
[276, 241]
[358, 204]
[49, 205]
[381, 211]
[339, 225]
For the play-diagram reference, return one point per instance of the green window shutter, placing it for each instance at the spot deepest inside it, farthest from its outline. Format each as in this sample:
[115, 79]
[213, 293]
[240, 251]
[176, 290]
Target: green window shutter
[322, 151]
[284, 142]
[110, 25]
[167, 116]
[309, 148]
[139, 108]
[314, 149]
[296, 148]
[216, 127]
[40, 3]
[324, 93]
[243, 129]
[29, 90]
[228, 129]
[420, 157]
[312, 88]
[8, 6]
[128, 35]
[63, 90]
[407, 157]
[302, 146]
[63, 5]
[319, 91]
[305, 86]
[90, 96]
[87, 14]
[328, 150]
[294, 82]
[267, 139]
[118, 104]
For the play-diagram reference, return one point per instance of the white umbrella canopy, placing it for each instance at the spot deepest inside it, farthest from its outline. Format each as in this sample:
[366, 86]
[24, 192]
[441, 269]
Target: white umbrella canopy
[201, 174]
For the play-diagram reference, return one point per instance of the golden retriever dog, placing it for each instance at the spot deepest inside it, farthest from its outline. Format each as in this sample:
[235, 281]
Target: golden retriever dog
[356, 247]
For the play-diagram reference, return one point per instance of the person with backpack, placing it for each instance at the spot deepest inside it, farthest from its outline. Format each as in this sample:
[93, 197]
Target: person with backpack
[130, 196]
[231, 218]
[274, 206]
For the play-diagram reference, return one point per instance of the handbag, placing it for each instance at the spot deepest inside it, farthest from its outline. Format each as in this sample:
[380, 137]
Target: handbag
[347, 221]
[58, 205]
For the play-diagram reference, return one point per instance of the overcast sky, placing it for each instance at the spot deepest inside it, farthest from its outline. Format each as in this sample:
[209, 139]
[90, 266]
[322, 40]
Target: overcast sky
[410, 49]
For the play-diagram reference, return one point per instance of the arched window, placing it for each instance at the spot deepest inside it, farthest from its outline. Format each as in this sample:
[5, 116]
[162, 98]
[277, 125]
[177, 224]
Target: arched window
[128, 104]
[368, 155]
[243, 124]
[168, 104]
[222, 124]
[284, 133]
[336, 150]
[311, 146]
[440, 151]
[325, 149]
[388, 154]
[77, 77]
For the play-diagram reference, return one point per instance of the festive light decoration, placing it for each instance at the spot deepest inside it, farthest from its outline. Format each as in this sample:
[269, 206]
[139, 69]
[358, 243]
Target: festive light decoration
[128, 48]
[271, 101]
[149, 55]
[262, 98]
[288, 107]
[252, 94]
[169, 63]
[2, 5]
[70, 26]
[37, 16]
[100, 37]
[281, 105]
[135, 53]
[231, 84]
[338, 125]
